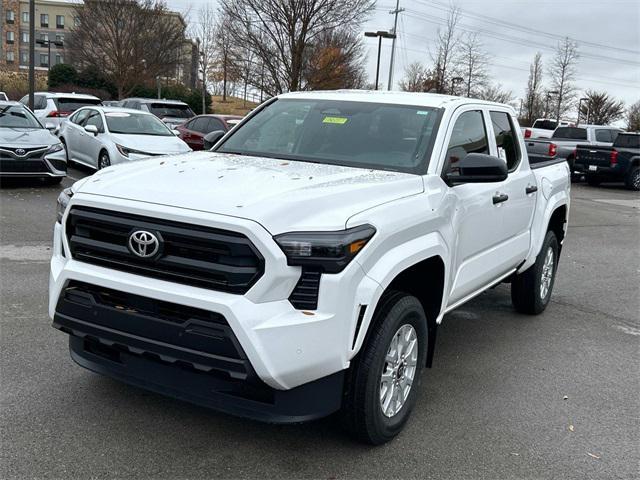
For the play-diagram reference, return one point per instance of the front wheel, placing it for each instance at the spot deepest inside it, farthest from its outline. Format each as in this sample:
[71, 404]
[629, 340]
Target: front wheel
[382, 384]
[633, 179]
[103, 160]
[531, 289]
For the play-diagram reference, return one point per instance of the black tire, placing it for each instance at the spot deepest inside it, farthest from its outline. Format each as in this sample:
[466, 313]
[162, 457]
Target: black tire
[103, 160]
[632, 181]
[593, 181]
[362, 411]
[527, 287]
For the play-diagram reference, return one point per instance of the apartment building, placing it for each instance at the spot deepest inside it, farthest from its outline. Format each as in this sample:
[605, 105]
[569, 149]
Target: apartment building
[54, 21]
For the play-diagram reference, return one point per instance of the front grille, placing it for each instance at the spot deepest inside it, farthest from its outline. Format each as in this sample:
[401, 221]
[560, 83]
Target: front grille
[190, 254]
[22, 166]
[25, 152]
[305, 295]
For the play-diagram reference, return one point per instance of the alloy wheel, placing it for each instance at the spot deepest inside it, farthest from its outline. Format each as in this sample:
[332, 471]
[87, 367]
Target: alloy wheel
[399, 370]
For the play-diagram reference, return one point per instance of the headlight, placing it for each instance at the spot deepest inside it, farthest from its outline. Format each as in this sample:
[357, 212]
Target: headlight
[331, 251]
[128, 151]
[63, 201]
[55, 148]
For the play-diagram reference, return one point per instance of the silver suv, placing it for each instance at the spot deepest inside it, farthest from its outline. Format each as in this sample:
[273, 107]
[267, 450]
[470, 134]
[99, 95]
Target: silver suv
[171, 112]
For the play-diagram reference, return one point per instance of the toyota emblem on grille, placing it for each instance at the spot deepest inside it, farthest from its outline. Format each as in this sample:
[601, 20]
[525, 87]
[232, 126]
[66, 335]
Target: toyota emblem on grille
[20, 151]
[143, 243]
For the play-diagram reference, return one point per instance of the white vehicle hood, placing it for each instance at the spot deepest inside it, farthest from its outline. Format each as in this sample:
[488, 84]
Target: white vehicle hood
[281, 195]
[151, 143]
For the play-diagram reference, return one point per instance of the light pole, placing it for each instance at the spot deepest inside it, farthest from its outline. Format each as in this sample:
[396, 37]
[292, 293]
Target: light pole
[32, 53]
[583, 99]
[380, 34]
[48, 43]
[454, 81]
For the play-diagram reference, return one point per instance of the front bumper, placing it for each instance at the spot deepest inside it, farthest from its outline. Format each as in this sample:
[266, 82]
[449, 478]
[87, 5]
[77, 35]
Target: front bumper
[49, 166]
[285, 348]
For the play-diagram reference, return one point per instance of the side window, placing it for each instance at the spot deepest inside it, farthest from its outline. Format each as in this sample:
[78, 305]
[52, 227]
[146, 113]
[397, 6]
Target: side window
[213, 125]
[614, 134]
[603, 136]
[95, 119]
[200, 125]
[469, 135]
[40, 102]
[80, 117]
[506, 139]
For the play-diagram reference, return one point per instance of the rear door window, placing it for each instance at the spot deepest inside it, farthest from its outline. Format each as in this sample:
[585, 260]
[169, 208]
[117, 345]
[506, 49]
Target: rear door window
[469, 135]
[506, 139]
[214, 124]
[603, 136]
[199, 125]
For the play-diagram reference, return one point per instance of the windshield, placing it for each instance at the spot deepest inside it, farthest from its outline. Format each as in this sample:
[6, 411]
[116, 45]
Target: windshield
[16, 116]
[353, 134]
[70, 105]
[573, 133]
[163, 110]
[545, 124]
[627, 141]
[136, 124]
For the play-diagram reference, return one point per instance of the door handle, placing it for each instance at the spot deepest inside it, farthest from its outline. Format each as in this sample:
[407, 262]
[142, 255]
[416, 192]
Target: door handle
[500, 197]
[531, 189]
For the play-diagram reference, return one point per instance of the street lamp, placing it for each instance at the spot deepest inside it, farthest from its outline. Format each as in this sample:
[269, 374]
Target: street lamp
[380, 34]
[454, 82]
[583, 99]
[48, 43]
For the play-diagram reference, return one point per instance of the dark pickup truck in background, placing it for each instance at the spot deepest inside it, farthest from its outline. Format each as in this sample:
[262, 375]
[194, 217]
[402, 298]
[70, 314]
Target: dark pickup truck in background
[621, 162]
[565, 140]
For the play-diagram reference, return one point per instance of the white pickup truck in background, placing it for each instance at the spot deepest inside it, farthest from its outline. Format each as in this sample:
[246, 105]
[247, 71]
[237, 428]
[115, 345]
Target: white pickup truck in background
[303, 266]
[543, 128]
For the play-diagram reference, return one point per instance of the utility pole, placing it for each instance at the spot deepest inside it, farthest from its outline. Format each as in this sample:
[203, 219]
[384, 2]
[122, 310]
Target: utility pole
[395, 12]
[32, 53]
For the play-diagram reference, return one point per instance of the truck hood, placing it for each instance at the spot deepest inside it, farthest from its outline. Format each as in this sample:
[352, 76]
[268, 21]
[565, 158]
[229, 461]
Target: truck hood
[281, 195]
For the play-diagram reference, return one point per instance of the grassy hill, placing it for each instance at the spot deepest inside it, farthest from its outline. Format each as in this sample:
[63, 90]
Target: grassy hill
[233, 106]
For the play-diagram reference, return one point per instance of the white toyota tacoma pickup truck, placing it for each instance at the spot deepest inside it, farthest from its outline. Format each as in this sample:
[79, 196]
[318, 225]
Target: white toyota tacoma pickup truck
[304, 265]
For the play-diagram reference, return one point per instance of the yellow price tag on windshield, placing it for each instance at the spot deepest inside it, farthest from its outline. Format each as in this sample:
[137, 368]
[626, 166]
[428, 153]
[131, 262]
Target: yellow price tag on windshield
[335, 120]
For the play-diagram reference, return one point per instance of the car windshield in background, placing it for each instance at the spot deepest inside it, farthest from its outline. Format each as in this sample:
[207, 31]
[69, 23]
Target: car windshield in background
[136, 124]
[571, 132]
[627, 141]
[70, 105]
[13, 116]
[545, 124]
[163, 110]
[353, 134]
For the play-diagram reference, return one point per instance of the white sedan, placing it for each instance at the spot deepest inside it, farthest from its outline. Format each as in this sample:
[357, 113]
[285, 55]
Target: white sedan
[102, 136]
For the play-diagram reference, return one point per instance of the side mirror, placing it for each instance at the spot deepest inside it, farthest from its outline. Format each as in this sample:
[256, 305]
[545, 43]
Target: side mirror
[210, 139]
[477, 168]
[51, 127]
[91, 129]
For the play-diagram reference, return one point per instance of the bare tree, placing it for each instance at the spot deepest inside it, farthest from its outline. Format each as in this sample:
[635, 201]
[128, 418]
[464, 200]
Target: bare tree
[471, 64]
[633, 117]
[534, 101]
[281, 33]
[496, 93]
[562, 71]
[601, 108]
[444, 55]
[204, 29]
[416, 77]
[336, 60]
[226, 50]
[129, 41]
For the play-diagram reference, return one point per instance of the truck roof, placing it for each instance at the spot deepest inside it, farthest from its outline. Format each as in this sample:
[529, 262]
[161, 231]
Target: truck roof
[435, 100]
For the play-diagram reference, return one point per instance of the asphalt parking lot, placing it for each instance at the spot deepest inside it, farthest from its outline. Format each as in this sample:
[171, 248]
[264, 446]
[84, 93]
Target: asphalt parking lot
[510, 396]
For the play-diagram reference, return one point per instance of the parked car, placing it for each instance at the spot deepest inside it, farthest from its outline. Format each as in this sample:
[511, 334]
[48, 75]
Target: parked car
[564, 141]
[193, 131]
[102, 136]
[27, 149]
[52, 108]
[304, 265]
[3, 97]
[619, 163]
[544, 127]
[112, 103]
[171, 112]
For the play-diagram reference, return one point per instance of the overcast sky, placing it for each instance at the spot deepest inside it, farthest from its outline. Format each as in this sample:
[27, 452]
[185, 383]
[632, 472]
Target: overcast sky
[607, 32]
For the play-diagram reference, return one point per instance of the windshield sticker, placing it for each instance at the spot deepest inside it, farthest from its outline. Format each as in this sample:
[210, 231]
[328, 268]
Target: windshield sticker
[335, 120]
[422, 112]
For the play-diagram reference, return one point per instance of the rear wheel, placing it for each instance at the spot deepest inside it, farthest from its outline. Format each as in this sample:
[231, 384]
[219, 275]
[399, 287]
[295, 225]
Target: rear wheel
[382, 384]
[103, 160]
[633, 179]
[531, 290]
[593, 180]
